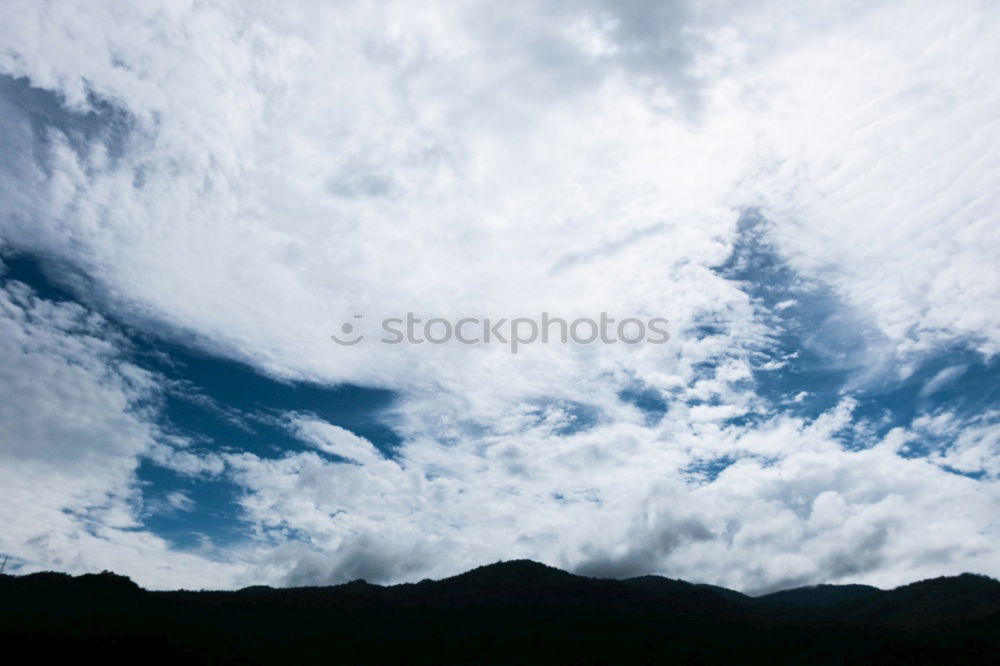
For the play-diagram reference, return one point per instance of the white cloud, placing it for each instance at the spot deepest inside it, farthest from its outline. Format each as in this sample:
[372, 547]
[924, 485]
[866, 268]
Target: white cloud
[73, 426]
[250, 179]
[970, 445]
[334, 439]
[879, 176]
[612, 502]
[943, 378]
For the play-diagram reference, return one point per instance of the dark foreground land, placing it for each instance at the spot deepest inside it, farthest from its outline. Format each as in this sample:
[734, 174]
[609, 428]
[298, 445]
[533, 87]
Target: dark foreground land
[513, 612]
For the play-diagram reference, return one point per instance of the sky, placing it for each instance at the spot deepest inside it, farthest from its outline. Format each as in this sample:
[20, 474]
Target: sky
[194, 196]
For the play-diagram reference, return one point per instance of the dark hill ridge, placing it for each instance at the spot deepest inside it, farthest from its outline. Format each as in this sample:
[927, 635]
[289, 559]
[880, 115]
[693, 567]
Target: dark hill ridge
[820, 596]
[502, 613]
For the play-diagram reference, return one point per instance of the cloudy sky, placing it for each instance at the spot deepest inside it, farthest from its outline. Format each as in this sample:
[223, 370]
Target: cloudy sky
[195, 195]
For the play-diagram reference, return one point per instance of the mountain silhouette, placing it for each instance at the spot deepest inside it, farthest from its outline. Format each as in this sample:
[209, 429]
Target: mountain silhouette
[820, 596]
[509, 612]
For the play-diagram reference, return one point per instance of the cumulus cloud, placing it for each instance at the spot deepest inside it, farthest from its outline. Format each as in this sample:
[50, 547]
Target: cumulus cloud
[74, 423]
[795, 508]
